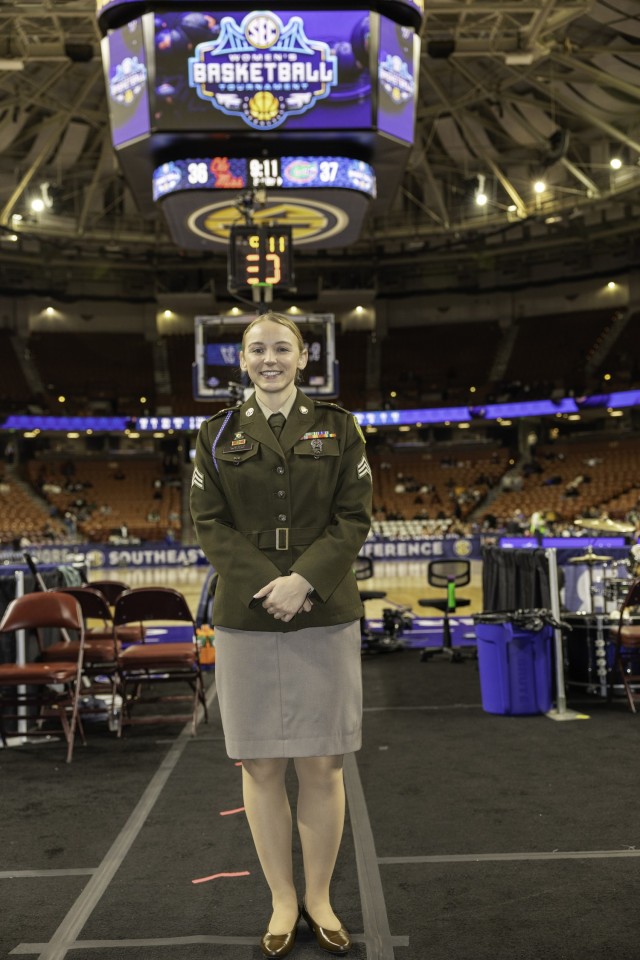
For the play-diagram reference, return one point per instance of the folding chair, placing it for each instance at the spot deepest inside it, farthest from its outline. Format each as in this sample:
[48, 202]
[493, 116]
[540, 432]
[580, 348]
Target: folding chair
[150, 663]
[101, 646]
[111, 590]
[35, 612]
[626, 638]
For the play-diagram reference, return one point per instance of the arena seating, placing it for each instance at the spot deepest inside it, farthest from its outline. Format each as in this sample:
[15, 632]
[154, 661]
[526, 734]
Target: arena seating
[110, 494]
[351, 350]
[114, 368]
[623, 361]
[554, 366]
[14, 389]
[22, 516]
[439, 361]
[180, 354]
[613, 485]
[457, 480]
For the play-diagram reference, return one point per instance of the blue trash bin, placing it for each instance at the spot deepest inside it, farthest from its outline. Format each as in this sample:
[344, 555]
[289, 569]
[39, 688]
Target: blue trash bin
[515, 667]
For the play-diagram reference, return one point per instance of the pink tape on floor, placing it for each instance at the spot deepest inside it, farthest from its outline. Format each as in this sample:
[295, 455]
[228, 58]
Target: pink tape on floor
[215, 876]
[238, 764]
[226, 813]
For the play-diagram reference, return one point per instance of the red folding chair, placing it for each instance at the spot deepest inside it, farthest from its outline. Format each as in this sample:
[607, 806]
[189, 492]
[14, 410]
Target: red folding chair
[52, 687]
[101, 648]
[148, 663]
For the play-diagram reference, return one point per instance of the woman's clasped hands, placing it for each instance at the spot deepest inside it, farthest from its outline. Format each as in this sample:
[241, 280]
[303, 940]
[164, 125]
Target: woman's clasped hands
[284, 597]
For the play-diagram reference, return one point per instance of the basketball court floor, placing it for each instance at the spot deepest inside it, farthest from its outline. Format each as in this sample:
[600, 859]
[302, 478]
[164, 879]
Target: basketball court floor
[404, 583]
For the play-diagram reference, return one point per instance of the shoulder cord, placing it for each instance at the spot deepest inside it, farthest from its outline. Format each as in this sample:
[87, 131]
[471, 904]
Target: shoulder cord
[215, 442]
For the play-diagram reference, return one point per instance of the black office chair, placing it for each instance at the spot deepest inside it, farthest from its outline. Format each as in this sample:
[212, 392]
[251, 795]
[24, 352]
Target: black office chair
[363, 569]
[395, 620]
[447, 574]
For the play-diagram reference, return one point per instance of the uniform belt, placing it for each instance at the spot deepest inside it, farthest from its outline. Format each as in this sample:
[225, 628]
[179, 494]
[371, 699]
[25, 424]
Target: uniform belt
[284, 537]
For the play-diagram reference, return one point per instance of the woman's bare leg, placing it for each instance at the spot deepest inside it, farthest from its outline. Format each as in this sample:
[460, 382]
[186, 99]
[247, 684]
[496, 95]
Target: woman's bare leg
[321, 806]
[269, 815]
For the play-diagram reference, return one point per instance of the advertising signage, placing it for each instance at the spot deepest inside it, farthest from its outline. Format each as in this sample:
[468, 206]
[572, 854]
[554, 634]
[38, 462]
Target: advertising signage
[126, 76]
[397, 65]
[262, 71]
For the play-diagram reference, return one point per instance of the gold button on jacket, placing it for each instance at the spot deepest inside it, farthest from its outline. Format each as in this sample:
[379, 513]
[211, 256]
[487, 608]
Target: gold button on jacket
[240, 474]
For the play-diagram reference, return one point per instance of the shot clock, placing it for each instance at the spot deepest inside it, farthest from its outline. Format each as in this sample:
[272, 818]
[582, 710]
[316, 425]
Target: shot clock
[260, 256]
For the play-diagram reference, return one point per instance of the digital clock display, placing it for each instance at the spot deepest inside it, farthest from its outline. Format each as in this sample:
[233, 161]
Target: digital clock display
[260, 256]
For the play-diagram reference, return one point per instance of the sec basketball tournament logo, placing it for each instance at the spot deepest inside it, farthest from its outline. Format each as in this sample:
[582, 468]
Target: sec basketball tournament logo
[462, 548]
[262, 70]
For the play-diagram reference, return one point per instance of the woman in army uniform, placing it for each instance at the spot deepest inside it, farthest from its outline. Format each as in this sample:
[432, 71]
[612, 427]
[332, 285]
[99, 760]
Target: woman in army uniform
[281, 507]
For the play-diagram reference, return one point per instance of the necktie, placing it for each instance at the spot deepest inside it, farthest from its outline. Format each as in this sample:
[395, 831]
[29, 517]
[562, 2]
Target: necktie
[276, 422]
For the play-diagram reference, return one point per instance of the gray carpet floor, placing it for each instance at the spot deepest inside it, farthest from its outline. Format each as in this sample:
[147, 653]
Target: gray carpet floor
[487, 837]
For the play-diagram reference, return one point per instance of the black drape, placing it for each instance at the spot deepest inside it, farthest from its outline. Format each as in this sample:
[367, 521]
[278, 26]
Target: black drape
[515, 579]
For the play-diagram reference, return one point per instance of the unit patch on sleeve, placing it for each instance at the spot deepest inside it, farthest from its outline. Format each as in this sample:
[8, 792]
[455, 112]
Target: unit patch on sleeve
[197, 478]
[364, 469]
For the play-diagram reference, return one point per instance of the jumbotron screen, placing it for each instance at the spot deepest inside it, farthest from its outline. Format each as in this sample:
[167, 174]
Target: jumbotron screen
[262, 71]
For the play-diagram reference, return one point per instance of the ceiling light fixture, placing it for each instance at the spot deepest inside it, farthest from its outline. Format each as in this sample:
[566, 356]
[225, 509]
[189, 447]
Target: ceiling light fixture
[11, 63]
[615, 163]
[481, 197]
[539, 186]
[519, 58]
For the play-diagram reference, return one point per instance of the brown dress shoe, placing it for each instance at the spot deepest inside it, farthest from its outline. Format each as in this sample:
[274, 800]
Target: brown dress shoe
[278, 944]
[334, 941]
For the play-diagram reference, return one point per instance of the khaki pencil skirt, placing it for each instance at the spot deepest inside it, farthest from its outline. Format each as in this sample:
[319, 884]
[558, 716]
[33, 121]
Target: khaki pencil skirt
[294, 694]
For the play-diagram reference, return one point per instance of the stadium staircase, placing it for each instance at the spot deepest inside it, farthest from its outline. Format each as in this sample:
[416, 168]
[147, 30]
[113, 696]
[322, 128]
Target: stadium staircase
[605, 342]
[162, 376]
[25, 362]
[503, 354]
[484, 506]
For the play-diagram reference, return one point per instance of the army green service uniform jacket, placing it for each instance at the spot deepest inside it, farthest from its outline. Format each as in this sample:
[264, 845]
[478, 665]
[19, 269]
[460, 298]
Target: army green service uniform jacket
[263, 508]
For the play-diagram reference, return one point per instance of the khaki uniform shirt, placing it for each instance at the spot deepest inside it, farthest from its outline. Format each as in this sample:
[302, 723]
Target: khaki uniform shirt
[263, 508]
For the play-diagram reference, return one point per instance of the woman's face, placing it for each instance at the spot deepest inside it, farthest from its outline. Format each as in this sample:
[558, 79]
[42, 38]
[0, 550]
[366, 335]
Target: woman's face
[272, 357]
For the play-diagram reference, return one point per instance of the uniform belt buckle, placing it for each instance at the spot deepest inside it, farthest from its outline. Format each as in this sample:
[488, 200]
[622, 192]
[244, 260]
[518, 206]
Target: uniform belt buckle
[282, 538]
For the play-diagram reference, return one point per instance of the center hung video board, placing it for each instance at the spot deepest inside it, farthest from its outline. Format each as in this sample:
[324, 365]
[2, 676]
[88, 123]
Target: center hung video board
[273, 86]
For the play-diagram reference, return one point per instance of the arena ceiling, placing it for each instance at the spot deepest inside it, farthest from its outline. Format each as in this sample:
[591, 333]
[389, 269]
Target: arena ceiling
[511, 92]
